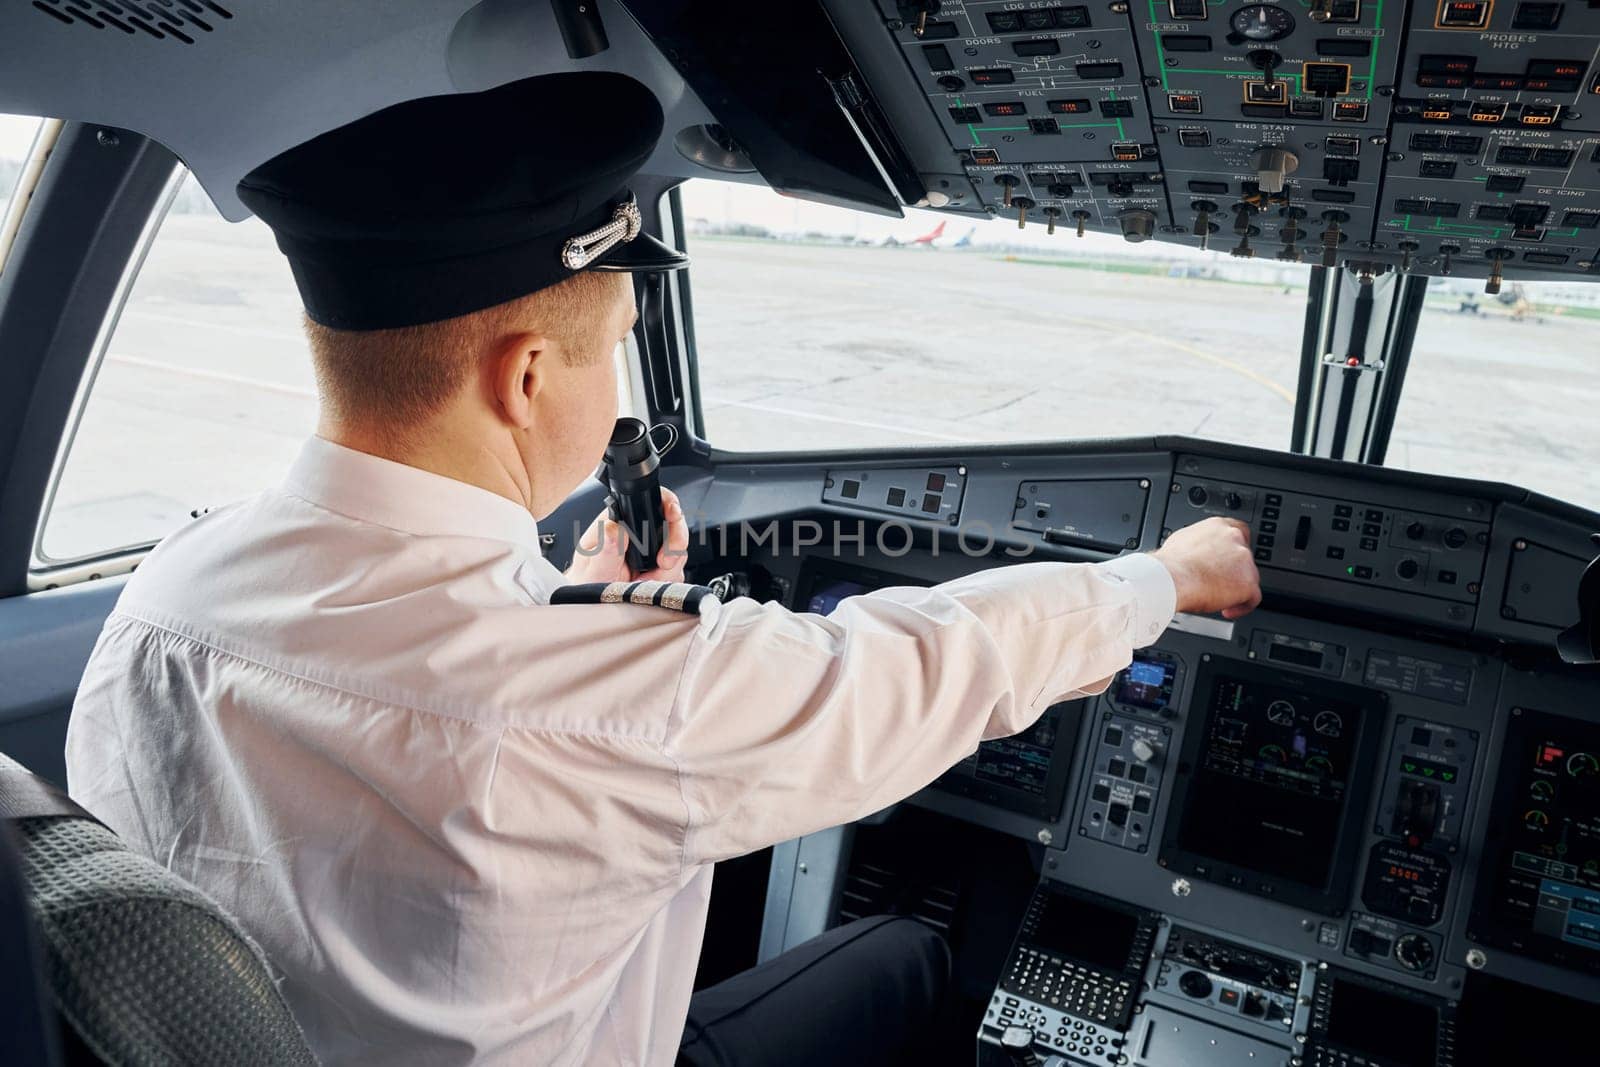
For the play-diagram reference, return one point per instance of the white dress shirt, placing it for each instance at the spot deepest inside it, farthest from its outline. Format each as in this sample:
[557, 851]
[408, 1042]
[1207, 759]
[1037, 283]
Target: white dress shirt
[469, 826]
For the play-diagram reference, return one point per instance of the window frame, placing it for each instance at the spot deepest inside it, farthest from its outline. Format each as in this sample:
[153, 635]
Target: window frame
[44, 571]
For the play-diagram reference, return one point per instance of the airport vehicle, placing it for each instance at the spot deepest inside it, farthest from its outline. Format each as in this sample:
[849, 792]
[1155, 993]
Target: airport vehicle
[1360, 826]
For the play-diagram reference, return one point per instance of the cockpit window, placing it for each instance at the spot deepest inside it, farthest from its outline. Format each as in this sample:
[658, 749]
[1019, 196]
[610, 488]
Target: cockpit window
[203, 395]
[822, 327]
[16, 137]
[1506, 388]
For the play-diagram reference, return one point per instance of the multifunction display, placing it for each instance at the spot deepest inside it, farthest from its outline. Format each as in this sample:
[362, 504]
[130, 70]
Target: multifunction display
[1359, 1021]
[1544, 897]
[1273, 773]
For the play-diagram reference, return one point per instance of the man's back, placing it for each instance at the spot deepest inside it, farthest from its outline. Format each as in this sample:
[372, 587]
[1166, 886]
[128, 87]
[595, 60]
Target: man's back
[325, 721]
[470, 826]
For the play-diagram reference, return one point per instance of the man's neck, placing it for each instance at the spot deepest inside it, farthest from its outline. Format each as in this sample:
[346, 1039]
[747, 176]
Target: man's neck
[443, 450]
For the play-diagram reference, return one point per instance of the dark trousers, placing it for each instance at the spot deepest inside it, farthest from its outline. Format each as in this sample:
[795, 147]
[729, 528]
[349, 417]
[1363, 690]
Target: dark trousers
[863, 993]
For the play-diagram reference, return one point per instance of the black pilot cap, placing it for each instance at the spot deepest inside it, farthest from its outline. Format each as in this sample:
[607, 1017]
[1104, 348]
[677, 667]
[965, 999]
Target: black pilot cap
[441, 206]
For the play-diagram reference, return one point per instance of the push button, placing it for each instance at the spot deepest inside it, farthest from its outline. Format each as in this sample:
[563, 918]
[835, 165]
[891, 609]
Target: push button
[1336, 552]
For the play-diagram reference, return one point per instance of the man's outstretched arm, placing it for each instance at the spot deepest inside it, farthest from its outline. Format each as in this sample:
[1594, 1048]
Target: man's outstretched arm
[786, 723]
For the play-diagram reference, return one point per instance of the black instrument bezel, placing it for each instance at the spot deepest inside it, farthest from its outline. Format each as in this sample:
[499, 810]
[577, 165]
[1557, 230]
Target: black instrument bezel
[1333, 897]
[1484, 926]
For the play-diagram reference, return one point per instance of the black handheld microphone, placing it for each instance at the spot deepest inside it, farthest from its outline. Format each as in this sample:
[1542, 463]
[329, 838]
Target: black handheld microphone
[630, 469]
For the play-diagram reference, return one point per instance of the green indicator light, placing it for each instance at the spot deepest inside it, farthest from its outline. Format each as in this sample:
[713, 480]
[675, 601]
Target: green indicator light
[1350, 570]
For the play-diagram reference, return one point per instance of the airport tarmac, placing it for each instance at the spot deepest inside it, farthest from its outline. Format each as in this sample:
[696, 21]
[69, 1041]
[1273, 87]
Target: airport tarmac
[206, 390]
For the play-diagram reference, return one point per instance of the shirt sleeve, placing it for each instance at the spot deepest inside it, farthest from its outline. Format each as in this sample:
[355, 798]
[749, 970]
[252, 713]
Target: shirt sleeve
[786, 723]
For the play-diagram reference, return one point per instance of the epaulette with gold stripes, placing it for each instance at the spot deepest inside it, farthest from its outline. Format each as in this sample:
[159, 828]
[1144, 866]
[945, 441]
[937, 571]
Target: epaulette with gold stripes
[679, 596]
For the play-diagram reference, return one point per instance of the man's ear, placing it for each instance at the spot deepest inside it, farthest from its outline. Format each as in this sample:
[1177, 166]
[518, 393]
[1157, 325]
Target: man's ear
[519, 369]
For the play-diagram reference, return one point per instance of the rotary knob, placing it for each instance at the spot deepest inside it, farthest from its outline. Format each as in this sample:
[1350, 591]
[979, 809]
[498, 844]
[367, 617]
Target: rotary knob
[1414, 952]
[1455, 537]
[1143, 751]
[1272, 165]
[1137, 225]
[1194, 984]
[1017, 1043]
[1233, 501]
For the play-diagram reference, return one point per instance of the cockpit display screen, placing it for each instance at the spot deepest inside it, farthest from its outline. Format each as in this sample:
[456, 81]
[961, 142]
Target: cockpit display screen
[1274, 773]
[1020, 773]
[1144, 683]
[1383, 1028]
[1544, 897]
[1022, 762]
[826, 596]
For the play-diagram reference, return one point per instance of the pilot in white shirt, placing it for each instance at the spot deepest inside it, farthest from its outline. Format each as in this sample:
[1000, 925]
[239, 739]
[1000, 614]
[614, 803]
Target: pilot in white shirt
[466, 824]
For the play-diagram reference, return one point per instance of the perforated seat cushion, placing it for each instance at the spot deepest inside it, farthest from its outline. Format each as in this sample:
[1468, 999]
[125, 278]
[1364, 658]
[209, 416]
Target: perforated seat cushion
[143, 966]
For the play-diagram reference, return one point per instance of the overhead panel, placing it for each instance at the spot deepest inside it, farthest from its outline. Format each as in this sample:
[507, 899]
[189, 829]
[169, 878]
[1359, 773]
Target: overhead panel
[1043, 106]
[1442, 137]
[1496, 154]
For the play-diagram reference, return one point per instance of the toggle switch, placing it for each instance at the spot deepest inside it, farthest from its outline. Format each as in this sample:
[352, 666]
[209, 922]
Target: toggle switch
[1266, 61]
[1406, 248]
[1447, 252]
[1080, 217]
[1332, 236]
[1202, 221]
[1006, 182]
[1050, 216]
[1496, 257]
[1023, 205]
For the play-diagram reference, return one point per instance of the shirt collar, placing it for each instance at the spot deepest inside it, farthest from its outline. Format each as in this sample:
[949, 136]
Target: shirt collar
[409, 499]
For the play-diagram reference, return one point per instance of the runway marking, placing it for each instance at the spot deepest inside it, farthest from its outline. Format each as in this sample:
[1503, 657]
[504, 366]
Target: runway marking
[1220, 361]
[214, 376]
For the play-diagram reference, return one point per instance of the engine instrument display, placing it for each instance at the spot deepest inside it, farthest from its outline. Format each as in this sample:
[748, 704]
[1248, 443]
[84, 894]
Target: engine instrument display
[1272, 783]
[1543, 898]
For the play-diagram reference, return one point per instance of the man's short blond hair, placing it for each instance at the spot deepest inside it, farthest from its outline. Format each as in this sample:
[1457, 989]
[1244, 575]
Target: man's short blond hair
[399, 377]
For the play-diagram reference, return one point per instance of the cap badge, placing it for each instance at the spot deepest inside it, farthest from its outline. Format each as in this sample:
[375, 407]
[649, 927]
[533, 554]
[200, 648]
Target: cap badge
[585, 248]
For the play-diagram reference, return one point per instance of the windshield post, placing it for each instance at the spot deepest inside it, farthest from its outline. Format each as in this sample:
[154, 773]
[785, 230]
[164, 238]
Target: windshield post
[1360, 326]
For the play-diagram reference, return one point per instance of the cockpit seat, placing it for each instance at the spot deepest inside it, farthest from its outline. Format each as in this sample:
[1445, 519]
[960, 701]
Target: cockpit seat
[143, 968]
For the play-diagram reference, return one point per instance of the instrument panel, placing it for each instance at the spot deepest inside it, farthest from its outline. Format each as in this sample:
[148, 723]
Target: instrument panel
[1438, 136]
[1381, 780]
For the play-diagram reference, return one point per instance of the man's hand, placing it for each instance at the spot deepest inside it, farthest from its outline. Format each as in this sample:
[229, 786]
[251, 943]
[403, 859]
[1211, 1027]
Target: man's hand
[1212, 568]
[600, 556]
